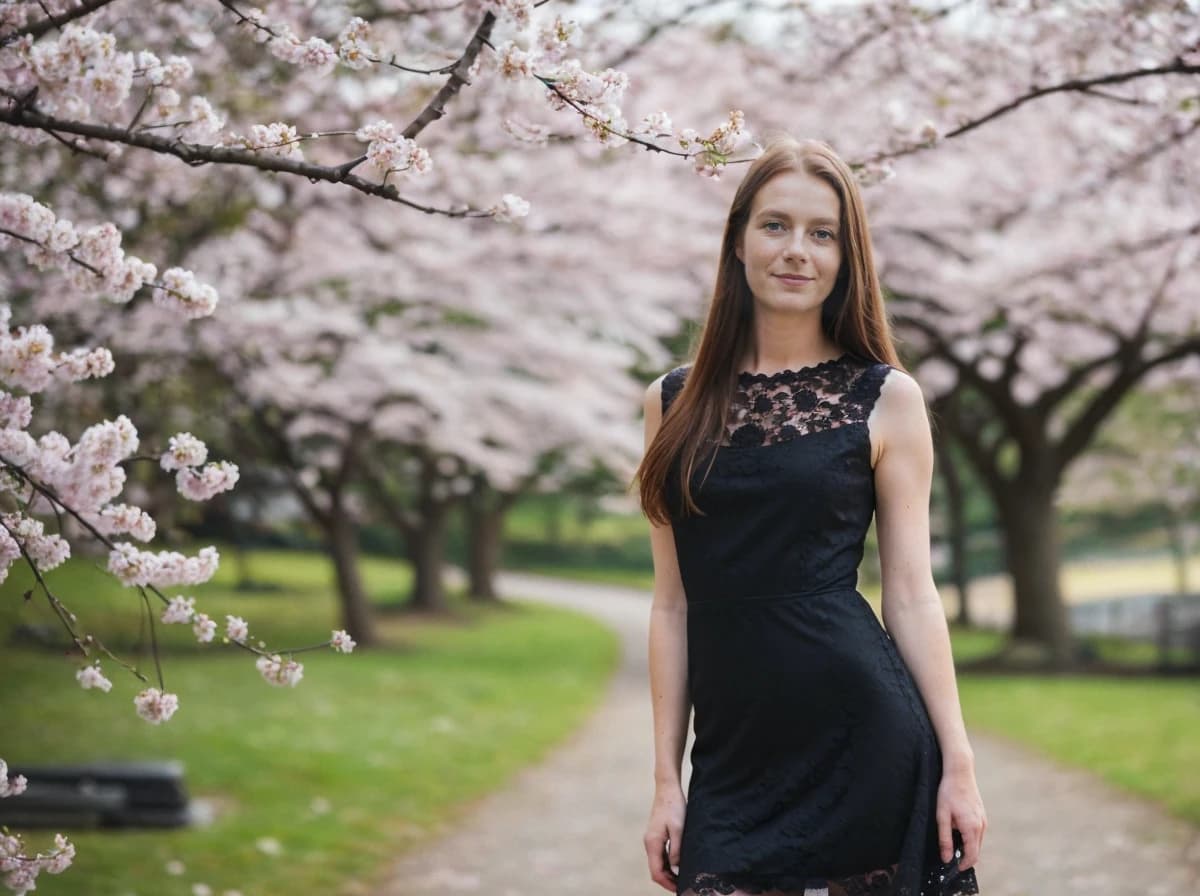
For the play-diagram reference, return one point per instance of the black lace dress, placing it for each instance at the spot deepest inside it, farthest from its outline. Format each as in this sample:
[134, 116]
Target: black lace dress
[815, 767]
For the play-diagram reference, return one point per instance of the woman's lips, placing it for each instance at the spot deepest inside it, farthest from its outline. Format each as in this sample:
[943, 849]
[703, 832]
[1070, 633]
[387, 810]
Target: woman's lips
[793, 278]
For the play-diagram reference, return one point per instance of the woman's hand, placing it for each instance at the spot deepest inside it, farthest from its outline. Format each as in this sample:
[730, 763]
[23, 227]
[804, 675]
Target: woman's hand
[959, 807]
[664, 832]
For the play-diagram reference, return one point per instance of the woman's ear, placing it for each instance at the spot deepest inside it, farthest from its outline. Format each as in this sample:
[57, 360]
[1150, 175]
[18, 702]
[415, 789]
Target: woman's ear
[738, 250]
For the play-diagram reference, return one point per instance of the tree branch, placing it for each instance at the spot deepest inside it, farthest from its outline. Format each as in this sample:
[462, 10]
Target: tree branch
[20, 115]
[1076, 85]
[435, 109]
[41, 26]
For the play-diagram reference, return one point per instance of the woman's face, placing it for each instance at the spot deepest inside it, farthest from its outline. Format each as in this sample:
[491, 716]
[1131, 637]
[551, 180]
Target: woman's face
[791, 247]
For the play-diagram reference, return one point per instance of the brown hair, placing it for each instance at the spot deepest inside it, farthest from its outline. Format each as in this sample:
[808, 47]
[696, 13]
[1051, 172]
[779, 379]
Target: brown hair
[852, 316]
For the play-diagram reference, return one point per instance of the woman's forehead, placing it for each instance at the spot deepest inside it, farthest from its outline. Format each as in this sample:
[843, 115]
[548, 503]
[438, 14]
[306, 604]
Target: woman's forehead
[797, 194]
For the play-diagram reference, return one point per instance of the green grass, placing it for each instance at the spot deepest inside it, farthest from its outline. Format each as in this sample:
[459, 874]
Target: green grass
[1138, 734]
[370, 754]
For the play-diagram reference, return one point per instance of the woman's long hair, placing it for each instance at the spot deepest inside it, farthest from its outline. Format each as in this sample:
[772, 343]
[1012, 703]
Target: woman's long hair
[853, 317]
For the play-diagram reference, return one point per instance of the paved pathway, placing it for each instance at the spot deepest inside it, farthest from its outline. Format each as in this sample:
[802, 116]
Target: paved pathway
[574, 823]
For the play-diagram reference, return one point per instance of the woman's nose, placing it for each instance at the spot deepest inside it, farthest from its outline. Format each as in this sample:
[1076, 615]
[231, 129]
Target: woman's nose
[794, 248]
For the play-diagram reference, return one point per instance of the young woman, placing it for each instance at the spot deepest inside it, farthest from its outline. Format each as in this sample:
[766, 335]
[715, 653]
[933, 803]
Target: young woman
[830, 755]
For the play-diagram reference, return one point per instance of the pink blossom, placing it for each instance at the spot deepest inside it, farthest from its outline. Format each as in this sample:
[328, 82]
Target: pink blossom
[91, 677]
[376, 130]
[203, 122]
[514, 62]
[179, 609]
[556, 37]
[118, 519]
[353, 45]
[204, 628]
[180, 291]
[164, 569]
[11, 786]
[277, 139]
[58, 861]
[341, 641]
[183, 450]
[278, 672]
[519, 12]
[509, 208]
[83, 364]
[236, 629]
[390, 154]
[213, 479]
[45, 551]
[156, 706]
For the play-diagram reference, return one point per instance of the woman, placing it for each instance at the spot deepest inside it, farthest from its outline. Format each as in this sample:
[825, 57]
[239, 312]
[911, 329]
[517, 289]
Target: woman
[830, 754]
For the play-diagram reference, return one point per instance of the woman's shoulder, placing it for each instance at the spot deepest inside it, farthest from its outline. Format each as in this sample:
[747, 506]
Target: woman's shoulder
[666, 386]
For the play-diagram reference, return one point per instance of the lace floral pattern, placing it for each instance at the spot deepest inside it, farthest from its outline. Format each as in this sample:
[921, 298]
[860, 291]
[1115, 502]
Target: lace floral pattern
[776, 407]
[941, 882]
[769, 408]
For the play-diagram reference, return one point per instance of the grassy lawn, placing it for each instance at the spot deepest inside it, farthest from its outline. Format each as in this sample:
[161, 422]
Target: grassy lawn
[368, 755]
[1138, 734]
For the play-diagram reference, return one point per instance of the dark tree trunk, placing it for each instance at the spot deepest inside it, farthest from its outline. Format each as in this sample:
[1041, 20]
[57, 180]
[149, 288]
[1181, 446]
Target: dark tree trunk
[357, 617]
[1031, 538]
[427, 553]
[956, 537]
[485, 525]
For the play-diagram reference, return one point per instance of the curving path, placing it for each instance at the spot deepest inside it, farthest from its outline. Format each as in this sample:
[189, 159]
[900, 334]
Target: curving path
[574, 823]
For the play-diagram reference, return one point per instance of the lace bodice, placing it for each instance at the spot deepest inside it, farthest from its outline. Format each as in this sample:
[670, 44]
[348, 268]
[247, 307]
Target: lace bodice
[776, 407]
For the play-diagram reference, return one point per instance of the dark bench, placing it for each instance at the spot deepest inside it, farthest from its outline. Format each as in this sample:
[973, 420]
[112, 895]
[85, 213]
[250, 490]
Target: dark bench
[99, 794]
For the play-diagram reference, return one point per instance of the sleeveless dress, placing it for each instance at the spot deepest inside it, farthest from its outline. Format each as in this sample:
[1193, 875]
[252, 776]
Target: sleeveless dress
[815, 766]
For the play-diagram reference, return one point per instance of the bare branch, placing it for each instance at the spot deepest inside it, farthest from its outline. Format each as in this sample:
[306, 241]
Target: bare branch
[435, 109]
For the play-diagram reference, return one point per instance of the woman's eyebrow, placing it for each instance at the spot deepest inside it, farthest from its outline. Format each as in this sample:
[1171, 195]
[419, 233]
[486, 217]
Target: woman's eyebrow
[776, 213]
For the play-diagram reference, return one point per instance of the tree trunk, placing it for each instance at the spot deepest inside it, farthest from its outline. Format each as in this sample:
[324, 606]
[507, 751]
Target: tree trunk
[1031, 540]
[484, 526]
[1177, 538]
[956, 537]
[357, 617]
[427, 553]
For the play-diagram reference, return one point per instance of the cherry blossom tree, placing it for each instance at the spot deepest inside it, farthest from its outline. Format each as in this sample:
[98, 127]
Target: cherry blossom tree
[1038, 237]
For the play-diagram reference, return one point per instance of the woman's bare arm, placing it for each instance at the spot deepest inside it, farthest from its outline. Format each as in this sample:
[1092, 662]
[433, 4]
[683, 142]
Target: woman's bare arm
[912, 608]
[668, 684]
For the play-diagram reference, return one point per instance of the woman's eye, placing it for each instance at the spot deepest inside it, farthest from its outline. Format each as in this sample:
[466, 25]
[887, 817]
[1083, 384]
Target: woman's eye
[829, 235]
[771, 224]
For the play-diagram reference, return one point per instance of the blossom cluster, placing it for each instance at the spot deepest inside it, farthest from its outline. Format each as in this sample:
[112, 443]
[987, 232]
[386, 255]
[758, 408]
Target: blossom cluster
[391, 152]
[181, 609]
[184, 454]
[599, 96]
[280, 672]
[164, 569]
[22, 535]
[155, 706]
[92, 677]
[82, 72]
[95, 265]
[19, 870]
[275, 139]
[712, 152]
